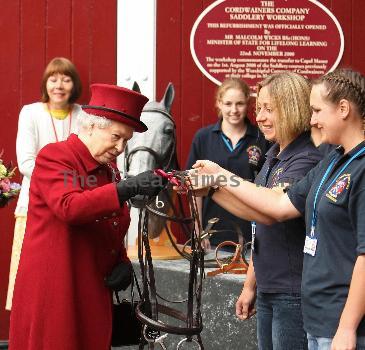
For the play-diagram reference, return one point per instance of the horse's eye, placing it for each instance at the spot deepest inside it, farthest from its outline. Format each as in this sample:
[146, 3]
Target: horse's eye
[168, 131]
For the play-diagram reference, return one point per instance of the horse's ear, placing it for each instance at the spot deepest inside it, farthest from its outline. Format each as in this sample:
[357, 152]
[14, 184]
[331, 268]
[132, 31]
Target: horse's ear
[169, 96]
[136, 87]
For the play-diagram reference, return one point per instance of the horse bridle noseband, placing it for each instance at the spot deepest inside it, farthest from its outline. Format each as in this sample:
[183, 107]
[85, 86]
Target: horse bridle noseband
[158, 159]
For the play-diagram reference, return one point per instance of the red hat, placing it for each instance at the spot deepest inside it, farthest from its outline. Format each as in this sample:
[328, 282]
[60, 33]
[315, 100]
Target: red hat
[117, 103]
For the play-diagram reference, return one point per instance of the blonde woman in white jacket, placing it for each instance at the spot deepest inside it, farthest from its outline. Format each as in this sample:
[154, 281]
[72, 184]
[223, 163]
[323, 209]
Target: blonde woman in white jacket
[51, 120]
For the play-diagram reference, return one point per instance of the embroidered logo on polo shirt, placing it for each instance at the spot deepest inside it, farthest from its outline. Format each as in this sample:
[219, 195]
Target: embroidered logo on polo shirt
[341, 184]
[276, 177]
[254, 154]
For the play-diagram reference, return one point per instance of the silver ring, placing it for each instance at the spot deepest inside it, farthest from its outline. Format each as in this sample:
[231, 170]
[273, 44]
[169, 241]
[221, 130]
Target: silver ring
[186, 339]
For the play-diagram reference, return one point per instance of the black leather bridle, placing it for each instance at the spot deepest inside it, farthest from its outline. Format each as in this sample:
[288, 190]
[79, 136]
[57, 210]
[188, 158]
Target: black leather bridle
[149, 309]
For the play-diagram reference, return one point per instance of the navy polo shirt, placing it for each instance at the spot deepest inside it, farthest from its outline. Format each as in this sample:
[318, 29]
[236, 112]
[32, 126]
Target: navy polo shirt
[278, 248]
[326, 148]
[245, 160]
[340, 231]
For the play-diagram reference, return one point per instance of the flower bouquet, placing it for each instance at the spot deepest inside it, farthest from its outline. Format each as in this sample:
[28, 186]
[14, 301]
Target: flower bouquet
[8, 189]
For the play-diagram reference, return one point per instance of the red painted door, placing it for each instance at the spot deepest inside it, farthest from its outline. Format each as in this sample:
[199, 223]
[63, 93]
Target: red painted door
[32, 33]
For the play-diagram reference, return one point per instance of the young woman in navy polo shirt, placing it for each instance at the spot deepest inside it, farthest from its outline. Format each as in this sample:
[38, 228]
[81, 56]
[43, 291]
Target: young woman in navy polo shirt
[235, 144]
[332, 199]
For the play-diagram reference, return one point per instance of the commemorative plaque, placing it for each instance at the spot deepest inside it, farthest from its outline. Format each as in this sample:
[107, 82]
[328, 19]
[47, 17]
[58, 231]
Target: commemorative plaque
[251, 39]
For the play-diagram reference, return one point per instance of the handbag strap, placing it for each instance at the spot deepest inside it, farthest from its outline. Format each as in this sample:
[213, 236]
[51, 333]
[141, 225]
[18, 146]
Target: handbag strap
[134, 280]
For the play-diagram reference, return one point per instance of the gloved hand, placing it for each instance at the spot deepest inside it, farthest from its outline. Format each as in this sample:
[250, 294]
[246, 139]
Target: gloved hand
[121, 277]
[146, 183]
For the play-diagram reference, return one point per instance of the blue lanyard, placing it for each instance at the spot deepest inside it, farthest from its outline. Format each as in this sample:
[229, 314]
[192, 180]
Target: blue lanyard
[330, 167]
[229, 144]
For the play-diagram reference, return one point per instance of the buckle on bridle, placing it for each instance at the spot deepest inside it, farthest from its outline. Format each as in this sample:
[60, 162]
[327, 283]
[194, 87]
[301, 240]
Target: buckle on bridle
[154, 337]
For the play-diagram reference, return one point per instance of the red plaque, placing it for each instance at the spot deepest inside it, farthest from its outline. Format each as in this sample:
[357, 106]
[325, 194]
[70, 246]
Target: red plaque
[251, 39]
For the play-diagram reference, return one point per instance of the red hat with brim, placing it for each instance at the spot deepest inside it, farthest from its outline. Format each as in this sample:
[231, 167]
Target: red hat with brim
[118, 104]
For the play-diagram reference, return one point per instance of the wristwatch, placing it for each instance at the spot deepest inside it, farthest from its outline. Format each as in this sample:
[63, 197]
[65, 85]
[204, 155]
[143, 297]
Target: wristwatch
[212, 190]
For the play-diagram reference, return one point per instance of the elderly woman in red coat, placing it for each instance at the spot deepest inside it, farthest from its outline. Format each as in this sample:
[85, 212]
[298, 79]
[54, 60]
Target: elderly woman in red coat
[77, 220]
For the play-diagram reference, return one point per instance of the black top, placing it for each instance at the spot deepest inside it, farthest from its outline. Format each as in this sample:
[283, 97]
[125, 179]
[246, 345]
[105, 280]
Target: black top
[340, 231]
[245, 160]
[278, 248]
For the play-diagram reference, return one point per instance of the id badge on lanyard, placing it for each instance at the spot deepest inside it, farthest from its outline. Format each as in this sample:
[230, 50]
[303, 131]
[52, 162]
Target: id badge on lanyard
[311, 240]
[253, 235]
[310, 244]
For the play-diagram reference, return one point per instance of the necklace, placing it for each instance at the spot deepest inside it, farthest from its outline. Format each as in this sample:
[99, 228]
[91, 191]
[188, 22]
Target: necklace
[53, 125]
[115, 173]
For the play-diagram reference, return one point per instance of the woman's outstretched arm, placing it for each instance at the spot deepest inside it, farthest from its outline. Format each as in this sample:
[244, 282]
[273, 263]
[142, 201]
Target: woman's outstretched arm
[231, 203]
[269, 202]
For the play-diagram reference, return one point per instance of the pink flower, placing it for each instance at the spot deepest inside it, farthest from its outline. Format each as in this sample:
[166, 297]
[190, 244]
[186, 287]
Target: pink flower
[5, 185]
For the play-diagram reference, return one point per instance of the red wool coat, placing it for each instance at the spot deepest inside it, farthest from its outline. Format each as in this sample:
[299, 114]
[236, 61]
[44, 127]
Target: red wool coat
[74, 237]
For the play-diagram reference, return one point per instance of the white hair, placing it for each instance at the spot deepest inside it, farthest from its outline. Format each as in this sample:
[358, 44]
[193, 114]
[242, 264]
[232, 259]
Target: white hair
[85, 120]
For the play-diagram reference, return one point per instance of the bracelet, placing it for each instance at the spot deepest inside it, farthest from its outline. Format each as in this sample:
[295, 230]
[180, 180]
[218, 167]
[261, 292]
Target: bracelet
[212, 190]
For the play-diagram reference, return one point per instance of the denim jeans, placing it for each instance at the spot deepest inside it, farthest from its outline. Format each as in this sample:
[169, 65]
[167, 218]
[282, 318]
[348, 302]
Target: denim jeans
[320, 343]
[279, 322]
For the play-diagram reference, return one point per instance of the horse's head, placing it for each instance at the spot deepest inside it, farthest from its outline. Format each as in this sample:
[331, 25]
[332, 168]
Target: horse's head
[155, 148]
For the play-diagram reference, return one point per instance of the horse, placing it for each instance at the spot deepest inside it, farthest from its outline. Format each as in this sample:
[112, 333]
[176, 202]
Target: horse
[155, 148]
